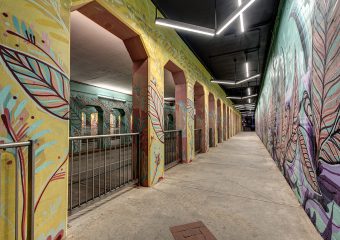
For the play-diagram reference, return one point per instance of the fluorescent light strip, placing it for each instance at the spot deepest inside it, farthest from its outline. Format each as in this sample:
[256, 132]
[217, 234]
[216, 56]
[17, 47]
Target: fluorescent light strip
[250, 96]
[185, 26]
[235, 15]
[247, 69]
[241, 16]
[228, 82]
[246, 105]
[240, 98]
[170, 99]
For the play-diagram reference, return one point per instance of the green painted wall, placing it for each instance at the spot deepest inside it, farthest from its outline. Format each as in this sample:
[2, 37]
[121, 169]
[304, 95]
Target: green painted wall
[298, 112]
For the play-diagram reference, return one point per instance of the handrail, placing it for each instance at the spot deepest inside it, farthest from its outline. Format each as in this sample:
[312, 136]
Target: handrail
[31, 187]
[101, 136]
[14, 145]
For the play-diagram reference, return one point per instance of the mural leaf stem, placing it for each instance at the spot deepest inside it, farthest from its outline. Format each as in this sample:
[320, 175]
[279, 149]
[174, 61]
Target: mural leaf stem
[6, 120]
[52, 178]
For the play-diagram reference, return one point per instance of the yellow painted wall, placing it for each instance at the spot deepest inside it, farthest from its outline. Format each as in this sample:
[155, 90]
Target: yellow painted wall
[33, 30]
[38, 31]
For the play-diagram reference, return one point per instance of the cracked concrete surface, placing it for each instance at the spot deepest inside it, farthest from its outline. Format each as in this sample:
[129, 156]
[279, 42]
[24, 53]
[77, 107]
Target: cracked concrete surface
[235, 189]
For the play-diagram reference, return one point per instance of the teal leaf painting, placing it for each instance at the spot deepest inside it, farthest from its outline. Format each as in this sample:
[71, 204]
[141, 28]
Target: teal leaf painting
[46, 85]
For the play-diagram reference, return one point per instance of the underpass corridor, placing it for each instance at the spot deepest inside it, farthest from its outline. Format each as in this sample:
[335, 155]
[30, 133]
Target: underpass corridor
[236, 191]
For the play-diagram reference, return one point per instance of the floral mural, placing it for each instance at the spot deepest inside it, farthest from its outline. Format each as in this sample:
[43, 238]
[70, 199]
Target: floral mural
[34, 95]
[298, 117]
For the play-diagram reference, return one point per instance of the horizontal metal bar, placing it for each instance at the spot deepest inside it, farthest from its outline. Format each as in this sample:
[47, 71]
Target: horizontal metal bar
[103, 136]
[14, 145]
[170, 131]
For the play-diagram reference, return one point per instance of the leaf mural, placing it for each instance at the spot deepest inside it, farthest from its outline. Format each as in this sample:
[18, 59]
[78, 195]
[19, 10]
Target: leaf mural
[46, 85]
[326, 85]
[156, 113]
[294, 109]
[191, 108]
[306, 161]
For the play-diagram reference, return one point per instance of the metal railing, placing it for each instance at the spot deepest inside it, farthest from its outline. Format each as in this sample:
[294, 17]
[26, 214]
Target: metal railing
[172, 148]
[19, 164]
[198, 140]
[101, 164]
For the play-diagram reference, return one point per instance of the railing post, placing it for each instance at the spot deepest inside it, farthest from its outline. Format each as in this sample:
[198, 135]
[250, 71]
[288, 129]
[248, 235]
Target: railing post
[31, 190]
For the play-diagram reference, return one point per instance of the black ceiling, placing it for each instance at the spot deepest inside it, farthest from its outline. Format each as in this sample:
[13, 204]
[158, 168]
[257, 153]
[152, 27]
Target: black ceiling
[220, 54]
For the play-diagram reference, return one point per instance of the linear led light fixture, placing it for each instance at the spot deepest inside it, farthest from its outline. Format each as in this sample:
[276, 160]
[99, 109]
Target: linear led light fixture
[170, 99]
[185, 26]
[240, 98]
[228, 82]
[245, 105]
[241, 16]
[235, 15]
[247, 69]
[112, 98]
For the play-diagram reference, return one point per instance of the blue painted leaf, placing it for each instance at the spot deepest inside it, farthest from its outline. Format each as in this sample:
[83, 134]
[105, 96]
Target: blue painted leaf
[46, 85]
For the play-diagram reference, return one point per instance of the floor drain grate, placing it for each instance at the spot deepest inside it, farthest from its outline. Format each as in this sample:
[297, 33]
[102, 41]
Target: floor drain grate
[192, 231]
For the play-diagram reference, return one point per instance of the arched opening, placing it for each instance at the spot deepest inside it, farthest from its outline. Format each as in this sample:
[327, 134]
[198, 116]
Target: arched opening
[219, 121]
[212, 121]
[229, 122]
[175, 91]
[200, 123]
[121, 123]
[170, 124]
[110, 70]
[224, 122]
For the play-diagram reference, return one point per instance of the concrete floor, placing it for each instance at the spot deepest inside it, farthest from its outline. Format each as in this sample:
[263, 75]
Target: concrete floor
[235, 190]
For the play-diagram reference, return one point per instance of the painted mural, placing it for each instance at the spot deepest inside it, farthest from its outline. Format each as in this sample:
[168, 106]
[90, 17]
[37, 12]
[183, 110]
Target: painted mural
[87, 103]
[35, 101]
[298, 117]
[34, 94]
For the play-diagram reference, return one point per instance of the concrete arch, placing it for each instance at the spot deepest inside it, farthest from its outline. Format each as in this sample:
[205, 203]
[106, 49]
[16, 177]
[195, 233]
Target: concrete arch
[212, 120]
[200, 121]
[219, 121]
[135, 47]
[180, 104]
[224, 122]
